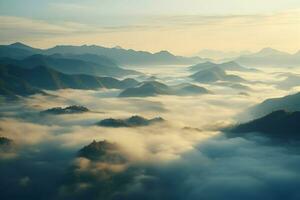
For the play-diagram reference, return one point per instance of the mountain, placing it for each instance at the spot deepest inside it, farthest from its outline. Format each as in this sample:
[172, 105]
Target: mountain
[235, 86]
[218, 55]
[149, 88]
[278, 124]
[230, 66]
[129, 122]
[92, 58]
[189, 89]
[14, 53]
[12, 85]
[214, 74]
[102, 151]
[291, 80]
[19, 45]
[67, 110]
[153, 88]
[270, 57]
[269, 52]
[120, 55]
[15, 80]
[18, 50]
[124, 56]
[72, 64]
[289, 103]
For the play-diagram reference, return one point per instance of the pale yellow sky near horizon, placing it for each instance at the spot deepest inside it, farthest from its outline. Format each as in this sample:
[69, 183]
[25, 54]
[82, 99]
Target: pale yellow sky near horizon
[183, 32]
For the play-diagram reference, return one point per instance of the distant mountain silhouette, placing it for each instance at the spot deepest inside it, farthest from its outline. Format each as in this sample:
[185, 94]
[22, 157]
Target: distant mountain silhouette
[289, 103]
[123, 56]
[67, 110]
[129, 122]
[103, 151]
[290, 81]
[272, 57]
[20, 81]
[20, 45]
[92, 58]
[218, 55]
[214, 74]
[120, 55]
[72, 64]
[149, 88]
[235, 86]
[153, 88]
[230, 66]
[278, 124]
[189, 89]
[268, 52]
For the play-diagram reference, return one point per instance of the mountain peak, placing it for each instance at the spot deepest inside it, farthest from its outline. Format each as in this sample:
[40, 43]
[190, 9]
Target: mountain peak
[20, 45]
[269, 51]
[232, 62]
[103, 151]
[165, 53]
[208, 63]
[118, 47]
[278, 124]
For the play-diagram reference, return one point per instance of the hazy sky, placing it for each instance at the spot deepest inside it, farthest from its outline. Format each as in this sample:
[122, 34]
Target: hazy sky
[181, 26]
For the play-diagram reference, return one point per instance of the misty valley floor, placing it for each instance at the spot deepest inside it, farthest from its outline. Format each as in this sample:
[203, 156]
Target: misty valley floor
[186, 156]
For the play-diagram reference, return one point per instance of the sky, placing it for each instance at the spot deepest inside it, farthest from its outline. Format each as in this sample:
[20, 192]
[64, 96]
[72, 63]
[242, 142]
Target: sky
[181, 26]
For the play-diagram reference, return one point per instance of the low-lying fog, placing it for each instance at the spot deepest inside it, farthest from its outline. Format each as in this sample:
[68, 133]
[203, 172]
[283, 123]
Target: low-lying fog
[185, 157]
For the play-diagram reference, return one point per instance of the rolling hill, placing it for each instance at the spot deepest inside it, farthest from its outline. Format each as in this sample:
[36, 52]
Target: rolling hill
[71, 64]
[289, 103]
[214, 74]
[15, 80]
[133, 121]
[278, 124]
[230, 66]
[153, 88]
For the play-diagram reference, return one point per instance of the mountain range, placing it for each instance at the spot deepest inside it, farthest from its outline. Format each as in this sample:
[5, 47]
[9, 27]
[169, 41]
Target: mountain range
[219, 55]
[15, 80]
[289, 103]
[270, 57]
[230, 66]
[73, 64]
[214, 74]
[290, 81]
[278, 124]
[264, 57]
[133, 121]
[119, 55]
[153, 88]
[74, 109]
